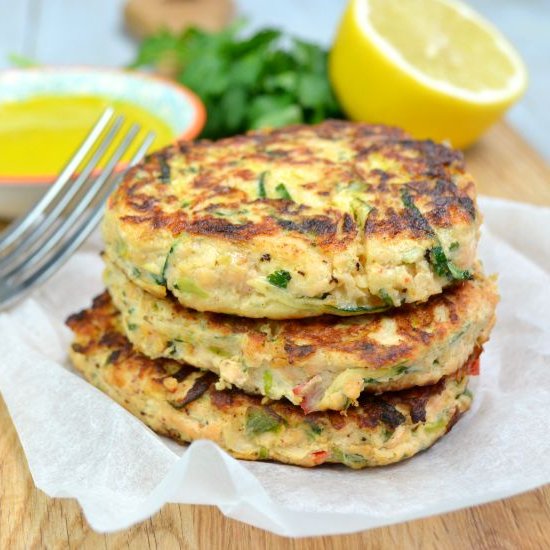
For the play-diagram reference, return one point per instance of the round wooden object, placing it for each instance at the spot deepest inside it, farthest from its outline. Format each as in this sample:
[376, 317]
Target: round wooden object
[146, 17]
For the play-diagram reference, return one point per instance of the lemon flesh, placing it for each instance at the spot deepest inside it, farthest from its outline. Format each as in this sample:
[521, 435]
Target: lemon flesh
[433, 67]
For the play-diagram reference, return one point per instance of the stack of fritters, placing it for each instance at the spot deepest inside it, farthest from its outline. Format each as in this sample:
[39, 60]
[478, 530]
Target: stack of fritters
[307, 295]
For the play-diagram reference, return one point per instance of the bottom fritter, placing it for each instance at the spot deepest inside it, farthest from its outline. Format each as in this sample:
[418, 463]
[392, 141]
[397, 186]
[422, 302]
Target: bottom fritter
[182, 402]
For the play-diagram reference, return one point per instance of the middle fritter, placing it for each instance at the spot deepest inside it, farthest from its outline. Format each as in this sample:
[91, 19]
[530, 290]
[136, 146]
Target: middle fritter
[321, 363]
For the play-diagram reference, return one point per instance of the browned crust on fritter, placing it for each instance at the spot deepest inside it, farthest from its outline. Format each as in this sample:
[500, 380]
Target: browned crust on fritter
[433, 174]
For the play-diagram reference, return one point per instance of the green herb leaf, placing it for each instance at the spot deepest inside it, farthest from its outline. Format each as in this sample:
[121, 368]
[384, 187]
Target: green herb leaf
[361, 309]
[445, 267]
[458, 274]
[273, 111]
[165, 265]
[283, 192]
[351, 459]
[276, 118]
[159, 279]
[440, 263]
[387, 434]
[279, 278]
[360, 211]
[313, 90]
[263, 80]
[386, 298]
[283, 82]
[407, 199]
[401, 369]
[188, 286]
[268, 382]
[261, 186]
[165, 172]
[234, 105]
[315, 427]
[260, 420]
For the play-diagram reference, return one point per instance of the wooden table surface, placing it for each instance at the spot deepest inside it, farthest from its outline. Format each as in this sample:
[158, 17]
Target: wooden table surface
[504, 166]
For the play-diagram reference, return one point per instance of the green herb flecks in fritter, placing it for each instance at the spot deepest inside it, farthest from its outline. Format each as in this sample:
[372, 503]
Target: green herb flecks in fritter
[183, 403]
[362, 218]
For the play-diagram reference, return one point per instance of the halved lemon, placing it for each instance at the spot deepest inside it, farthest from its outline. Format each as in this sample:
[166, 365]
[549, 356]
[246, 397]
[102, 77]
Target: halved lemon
[433, 67]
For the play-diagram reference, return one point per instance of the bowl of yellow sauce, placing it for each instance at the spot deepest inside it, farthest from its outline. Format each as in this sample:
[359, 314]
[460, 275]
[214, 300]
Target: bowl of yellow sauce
[46, 113]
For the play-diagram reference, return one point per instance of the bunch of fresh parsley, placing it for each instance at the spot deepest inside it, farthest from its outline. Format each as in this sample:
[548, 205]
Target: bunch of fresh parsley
[264, 80]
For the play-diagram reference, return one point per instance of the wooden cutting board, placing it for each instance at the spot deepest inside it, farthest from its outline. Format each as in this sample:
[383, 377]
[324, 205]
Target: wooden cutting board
[504, 166]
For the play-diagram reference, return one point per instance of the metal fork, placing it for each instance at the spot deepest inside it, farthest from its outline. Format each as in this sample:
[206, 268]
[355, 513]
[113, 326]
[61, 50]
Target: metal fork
[34, 247]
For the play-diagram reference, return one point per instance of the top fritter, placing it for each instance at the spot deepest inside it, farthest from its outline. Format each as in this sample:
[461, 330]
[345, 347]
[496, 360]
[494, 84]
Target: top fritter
[339, 218]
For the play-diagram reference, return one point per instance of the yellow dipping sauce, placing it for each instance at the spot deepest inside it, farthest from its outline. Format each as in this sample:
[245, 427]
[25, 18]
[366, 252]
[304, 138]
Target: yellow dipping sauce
[40, 134]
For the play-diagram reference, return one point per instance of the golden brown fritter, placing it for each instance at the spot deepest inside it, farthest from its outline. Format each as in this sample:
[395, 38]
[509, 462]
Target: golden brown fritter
[341, 218]
[181, 402]
[318, 363]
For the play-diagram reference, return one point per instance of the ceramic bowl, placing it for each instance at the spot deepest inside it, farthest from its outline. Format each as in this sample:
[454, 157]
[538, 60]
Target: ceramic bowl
[172, 103]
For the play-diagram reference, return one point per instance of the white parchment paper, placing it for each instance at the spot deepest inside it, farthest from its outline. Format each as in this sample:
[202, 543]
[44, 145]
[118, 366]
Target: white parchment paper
[81, 444]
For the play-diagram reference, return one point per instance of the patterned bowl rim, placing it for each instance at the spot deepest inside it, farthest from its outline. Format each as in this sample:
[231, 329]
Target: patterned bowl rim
[198, 111]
